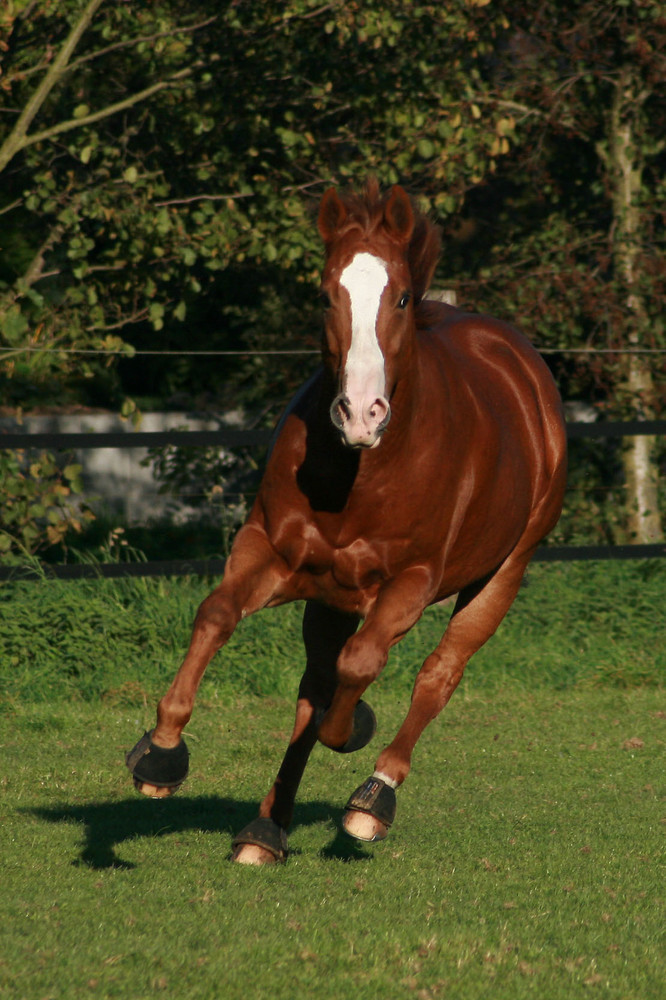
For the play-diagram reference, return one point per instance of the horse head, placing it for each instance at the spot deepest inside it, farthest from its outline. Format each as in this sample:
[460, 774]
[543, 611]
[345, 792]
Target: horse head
[380, 255]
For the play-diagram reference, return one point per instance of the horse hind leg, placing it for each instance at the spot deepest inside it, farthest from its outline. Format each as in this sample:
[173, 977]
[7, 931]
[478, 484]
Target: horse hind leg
[478, 612]
[325, 631]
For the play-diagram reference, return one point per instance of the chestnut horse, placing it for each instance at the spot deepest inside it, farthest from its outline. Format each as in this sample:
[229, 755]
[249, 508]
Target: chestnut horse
[427, 458]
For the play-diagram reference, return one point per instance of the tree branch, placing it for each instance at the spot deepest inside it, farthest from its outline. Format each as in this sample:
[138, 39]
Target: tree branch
[12, 205]
[130, 42]
[35, 269]
[18, 136]
[98, 53]
[112, 109]
[137, 317]
[201, 197]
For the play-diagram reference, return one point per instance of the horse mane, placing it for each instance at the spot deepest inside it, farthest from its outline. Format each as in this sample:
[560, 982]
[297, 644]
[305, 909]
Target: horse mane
[365, 211]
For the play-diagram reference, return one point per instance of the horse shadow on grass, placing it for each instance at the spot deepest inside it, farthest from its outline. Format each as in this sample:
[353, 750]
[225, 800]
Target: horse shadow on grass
[109, 824]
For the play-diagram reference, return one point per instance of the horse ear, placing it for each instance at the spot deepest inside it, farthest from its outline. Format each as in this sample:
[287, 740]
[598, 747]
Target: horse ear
[423, 254]
[398, 214]
[332, 213]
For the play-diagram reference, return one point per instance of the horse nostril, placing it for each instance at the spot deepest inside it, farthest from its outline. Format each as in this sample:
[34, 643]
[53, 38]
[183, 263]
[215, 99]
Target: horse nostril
[340, 411]
[380, 411]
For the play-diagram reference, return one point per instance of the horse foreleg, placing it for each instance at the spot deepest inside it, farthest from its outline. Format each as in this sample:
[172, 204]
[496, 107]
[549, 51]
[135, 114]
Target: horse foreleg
[325, 632]
[478, 611]
[252, 577]
[399, 605]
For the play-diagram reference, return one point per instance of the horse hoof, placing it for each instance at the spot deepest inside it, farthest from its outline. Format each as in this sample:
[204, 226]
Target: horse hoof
[364, 727]
[261, 842]
[155, 791]
[158, 771]
[370, 811]
[363, 826]
[253, 854]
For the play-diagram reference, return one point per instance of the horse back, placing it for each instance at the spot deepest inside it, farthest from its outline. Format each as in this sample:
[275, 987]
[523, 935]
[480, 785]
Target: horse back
[494, 382]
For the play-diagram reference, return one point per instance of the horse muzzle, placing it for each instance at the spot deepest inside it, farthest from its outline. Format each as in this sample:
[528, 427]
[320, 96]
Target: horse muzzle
[361, 424]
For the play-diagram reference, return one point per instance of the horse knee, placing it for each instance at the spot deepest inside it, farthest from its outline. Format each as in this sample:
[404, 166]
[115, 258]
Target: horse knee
[216, 617]
[361, 661]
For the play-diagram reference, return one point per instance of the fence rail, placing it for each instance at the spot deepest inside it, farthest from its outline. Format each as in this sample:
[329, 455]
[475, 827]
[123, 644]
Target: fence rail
[232, 437]
[236, 437]
[215, 567]
[229, 437]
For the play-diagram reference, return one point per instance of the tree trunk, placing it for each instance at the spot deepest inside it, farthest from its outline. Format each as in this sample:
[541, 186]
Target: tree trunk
[624, 160]
[641, 470]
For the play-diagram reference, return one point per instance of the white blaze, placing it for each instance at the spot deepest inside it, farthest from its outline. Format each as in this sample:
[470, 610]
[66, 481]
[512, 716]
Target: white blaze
[365, 279]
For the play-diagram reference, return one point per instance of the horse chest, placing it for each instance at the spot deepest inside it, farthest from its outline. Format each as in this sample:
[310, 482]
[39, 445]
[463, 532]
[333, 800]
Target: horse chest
[325, 564]
[358, 566]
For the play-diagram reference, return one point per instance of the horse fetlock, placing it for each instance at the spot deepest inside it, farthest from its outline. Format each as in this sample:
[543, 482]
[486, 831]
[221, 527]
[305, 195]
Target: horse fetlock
[393, 765]
[333, 733]
[173, 714]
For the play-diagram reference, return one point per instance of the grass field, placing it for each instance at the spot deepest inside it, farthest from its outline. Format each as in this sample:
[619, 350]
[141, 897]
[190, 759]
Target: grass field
[571, 624]
[527, 855]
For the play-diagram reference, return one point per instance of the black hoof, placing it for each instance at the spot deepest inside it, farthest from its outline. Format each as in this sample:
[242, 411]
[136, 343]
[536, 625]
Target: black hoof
[262, 832]
[159, 766]
[375, 797]
[364, 728]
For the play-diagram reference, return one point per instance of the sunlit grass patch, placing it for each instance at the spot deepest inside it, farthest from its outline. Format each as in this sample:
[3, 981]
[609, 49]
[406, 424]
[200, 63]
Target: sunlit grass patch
[526, 857]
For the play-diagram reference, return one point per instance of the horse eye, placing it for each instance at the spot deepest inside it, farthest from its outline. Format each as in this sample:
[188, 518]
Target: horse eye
[402, 304]
[325, 299]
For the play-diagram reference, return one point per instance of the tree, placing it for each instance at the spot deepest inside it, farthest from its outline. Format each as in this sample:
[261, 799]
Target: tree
[72, 210]
[580, 207]
[162, 167]
[155, 155]
[158, 165]
[78, 195]
[625, 155]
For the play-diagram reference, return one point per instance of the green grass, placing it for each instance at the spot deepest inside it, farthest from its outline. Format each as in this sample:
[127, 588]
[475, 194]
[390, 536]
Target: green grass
[572, 624]
[526, 859]
[527, 855]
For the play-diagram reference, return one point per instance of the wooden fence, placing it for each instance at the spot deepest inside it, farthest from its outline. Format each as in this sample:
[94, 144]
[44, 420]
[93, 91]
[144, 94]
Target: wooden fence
[234, 438]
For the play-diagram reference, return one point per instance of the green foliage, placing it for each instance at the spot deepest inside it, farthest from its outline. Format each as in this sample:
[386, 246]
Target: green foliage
[159, 181]
[232, 118]
[569, 237]
[37, 508]
[572, 624]
[215, 484]
[235, 117]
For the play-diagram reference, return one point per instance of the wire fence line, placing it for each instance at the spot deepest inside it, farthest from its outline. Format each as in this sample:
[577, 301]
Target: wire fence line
[229, 437]
[129, 352]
